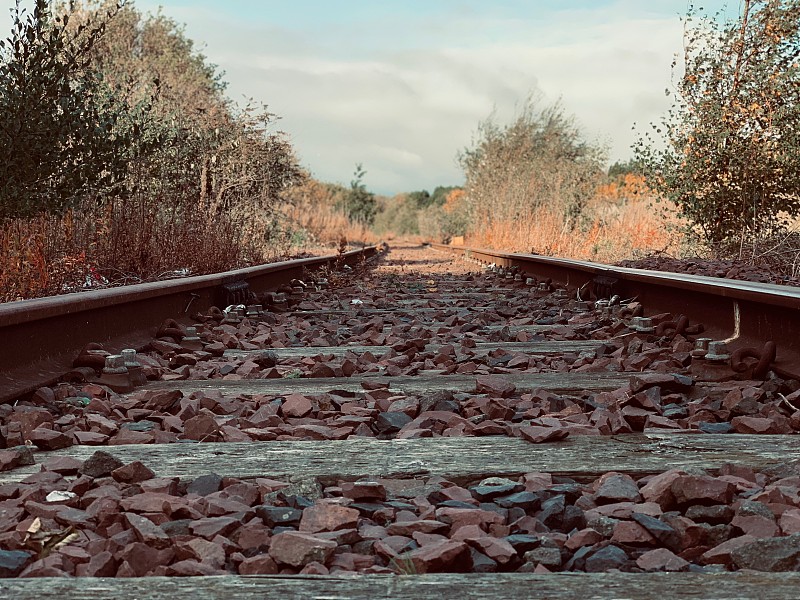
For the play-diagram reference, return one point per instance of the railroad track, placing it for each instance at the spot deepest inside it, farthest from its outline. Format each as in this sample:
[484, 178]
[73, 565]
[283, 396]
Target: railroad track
[440, 428]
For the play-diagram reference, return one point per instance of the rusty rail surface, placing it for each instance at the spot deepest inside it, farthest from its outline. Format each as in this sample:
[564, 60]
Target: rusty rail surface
[41, 337]
[745, 314]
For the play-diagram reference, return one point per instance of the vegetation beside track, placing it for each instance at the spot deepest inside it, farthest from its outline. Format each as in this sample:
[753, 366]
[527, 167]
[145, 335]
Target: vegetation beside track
[123, 160]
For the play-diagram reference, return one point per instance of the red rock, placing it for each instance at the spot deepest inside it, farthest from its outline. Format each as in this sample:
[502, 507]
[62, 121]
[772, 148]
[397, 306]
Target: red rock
[322, 369]
[217, 507]
[233, 434]
[297, 549]
[497, 549]
[584, 537]
[141, 558]
[451, 556]
[90, 438]
[252, 535]
[161, 401]
[296, 406]
[65, 465]
[150, 502]
[126, 436]
[349, 561]
[134, 472]
[363, 490]
[190, 568]
[48, 439]
[314, 432]
[659, 488]
[661, 559]
[29, 418]
[616, 487]
[202, 427]
[494, 385]
[392, 546]
[146, 531]
[694, 489]
[630, 532]
[761, 425]
[755, 525]
[211, 527]
[102, 564]
[537, 482]
[11, 459]
[459, 517]
[209, 553]
[721, 554]
[538, 435]
[261, 564]
[314, 568]
[790, 521]
[408, 528]
[101, 424]
[327, 516]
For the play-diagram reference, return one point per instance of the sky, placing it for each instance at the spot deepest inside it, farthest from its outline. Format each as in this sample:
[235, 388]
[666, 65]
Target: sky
[400, 86]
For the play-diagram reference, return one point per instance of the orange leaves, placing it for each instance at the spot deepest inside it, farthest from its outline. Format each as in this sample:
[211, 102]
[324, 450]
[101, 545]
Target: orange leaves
[454, 201]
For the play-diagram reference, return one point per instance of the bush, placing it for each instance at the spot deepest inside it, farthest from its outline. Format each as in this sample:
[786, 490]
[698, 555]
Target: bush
[728, 152]
[64, 132]
[539, 161]
[358, 203]
[120, 154]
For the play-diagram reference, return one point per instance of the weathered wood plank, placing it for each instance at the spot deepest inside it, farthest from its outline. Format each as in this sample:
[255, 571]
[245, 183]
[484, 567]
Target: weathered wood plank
[563, 586]
[360, 310]
[460, 459]
[555, 347]
[554, 382]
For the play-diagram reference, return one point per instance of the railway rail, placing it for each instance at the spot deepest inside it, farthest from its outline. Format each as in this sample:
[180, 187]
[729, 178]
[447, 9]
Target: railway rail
[446, 422]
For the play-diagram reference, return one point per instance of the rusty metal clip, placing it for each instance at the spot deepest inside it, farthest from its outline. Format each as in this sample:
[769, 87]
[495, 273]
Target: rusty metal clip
[170, 328]
[765, 356]
[603, 287]
[93, 355]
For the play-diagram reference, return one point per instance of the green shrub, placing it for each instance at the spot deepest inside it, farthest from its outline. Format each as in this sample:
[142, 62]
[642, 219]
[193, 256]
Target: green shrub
[728, 152]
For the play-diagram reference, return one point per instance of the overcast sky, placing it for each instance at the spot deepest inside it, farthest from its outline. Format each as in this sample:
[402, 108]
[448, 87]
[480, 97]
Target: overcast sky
[401, 85]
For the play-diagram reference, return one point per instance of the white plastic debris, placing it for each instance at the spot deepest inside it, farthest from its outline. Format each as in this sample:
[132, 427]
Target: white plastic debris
[58, 496]
[356, 302]
[233, 308]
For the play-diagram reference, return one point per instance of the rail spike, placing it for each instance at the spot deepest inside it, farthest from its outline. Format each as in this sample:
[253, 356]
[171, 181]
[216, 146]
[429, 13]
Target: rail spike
[765, 357]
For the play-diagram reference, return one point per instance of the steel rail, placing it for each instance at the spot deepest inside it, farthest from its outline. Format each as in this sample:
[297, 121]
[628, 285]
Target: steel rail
[742, 313]
[39, 338]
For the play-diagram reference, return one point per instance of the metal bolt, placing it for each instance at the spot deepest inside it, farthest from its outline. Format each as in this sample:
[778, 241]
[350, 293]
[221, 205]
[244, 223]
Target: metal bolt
[517, 277]
[530, 281]
[561, 294]
[701, 347]
[129, 358]
[642, 325]
[543, 287]
[135, 370]
[582, 306]
[252, 311]
[509, 276]
[717, 352]
[115, 365]
[191, 341]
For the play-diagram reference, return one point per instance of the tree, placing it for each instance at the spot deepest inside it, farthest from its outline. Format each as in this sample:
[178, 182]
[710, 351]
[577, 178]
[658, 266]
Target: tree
[538, 162]
[62, 127]
[359, 204]
[728, 151]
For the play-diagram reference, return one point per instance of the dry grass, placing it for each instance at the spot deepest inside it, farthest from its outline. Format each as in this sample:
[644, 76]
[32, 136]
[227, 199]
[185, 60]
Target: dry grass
[609, 232]
[313, 208]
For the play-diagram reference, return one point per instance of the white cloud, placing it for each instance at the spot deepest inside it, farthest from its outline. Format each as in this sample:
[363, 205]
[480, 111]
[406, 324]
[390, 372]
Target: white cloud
[404, 97]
